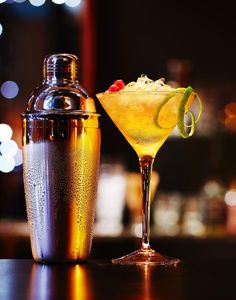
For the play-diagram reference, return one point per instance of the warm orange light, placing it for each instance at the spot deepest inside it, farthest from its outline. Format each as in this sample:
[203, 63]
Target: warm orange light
[230, 123]
[232, 184]
[60, 281]
[79, 283]
[230, 109]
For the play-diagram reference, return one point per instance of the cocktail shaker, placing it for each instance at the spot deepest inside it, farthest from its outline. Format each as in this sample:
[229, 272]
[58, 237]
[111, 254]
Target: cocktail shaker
[61, 155]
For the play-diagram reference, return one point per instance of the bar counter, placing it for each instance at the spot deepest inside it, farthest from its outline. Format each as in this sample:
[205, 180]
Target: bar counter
[207, 270]
[99, 279]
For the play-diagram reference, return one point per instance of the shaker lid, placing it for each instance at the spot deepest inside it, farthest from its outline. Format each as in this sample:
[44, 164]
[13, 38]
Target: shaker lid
[60, 91]
[61, 66]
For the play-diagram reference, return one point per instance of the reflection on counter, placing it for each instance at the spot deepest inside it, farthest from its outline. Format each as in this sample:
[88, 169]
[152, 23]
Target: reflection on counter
[45, 282]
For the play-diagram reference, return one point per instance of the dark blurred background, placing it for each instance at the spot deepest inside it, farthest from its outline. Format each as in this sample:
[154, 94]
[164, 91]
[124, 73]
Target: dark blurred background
[186, 43]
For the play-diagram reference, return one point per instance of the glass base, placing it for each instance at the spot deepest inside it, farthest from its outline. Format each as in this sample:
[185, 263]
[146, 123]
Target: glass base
[146, 257]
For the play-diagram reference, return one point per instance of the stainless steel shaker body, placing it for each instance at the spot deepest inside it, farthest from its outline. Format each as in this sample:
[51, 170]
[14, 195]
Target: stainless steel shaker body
[61, 153]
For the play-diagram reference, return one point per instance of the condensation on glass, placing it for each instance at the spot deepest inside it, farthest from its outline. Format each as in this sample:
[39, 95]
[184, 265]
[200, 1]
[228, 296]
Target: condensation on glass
[61, 153]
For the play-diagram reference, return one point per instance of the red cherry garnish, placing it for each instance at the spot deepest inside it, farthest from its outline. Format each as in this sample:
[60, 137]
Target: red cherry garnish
[113, 88]
[119, 83]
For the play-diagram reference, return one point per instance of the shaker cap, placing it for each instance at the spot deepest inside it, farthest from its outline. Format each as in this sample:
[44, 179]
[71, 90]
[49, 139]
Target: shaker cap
[60, 91]
[61, 66]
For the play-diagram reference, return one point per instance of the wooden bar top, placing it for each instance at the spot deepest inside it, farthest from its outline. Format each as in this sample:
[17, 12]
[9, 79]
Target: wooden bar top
[99, 279]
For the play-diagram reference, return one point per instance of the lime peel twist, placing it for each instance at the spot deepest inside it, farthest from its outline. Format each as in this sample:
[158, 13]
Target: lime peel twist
[182, 112]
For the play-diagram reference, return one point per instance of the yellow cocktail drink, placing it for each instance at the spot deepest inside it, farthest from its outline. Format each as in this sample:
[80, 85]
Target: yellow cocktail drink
[136, 116]
[146, 112]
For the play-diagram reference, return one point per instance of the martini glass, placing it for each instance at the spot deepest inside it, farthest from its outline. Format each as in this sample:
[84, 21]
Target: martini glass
[146, 119]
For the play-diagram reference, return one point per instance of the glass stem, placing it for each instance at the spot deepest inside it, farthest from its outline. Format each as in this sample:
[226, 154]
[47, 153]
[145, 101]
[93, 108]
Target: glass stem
[146, 165]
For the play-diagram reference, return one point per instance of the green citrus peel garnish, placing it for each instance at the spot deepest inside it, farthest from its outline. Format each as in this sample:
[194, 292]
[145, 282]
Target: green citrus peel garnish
[182, 111]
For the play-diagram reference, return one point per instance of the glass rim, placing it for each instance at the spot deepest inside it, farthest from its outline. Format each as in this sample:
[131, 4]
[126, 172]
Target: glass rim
[120, 93]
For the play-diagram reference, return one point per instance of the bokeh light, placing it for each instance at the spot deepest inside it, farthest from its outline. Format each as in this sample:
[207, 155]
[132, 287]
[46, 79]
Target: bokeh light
[230, 109]
[7, 163]
[8, 148]
[58, 1]
[5, 132]
[18, 158]
[230, 123]
[230, 119]
[10, 154]
[72, 3]
[211, 188]
[9, 89]
[230, 198]
[37, 2]
[2, 1]
[1, 28]
[138, 230]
